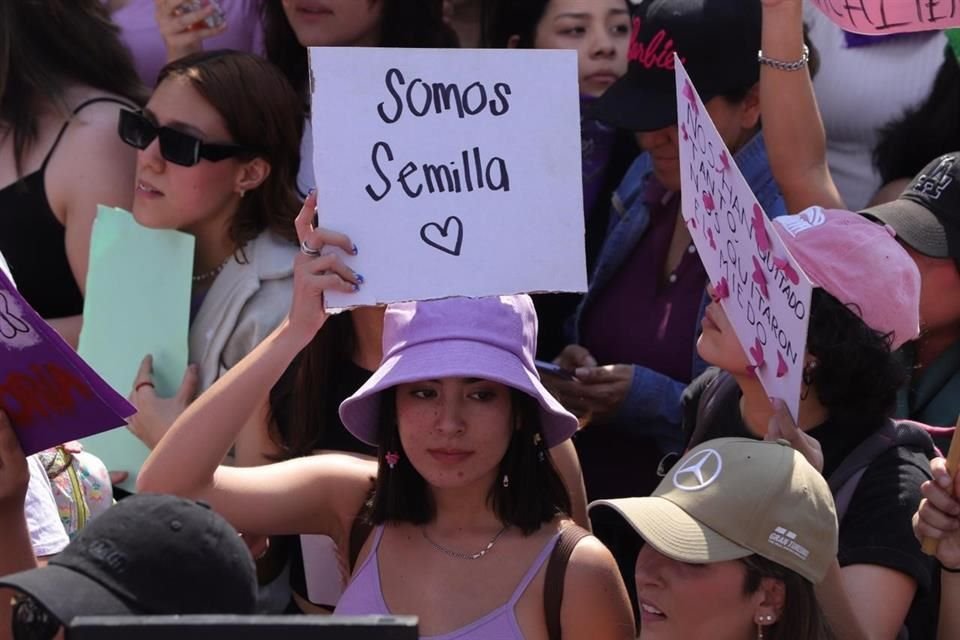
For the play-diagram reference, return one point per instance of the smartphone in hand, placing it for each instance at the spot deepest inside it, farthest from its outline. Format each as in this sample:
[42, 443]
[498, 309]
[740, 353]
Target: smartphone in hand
[216, 19]
[555, 370]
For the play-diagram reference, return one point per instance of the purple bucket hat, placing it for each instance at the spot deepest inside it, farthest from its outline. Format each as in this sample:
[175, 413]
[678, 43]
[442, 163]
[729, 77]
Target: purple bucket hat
[490, 338]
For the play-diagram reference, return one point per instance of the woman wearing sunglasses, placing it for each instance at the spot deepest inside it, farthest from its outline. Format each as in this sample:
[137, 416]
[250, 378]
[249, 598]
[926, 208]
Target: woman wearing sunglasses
[217, 151]
[63, 76]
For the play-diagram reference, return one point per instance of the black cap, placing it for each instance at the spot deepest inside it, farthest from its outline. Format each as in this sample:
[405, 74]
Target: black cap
[926, 216]
[148, 554]
[717, 41]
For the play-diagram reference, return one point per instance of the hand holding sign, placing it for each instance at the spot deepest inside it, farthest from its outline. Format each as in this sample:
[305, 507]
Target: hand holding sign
[937, 522]
[47, 391]
[783, 427]
[458, 172]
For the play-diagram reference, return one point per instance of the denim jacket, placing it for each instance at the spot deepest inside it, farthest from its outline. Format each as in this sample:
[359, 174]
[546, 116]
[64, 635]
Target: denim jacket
[652, 405]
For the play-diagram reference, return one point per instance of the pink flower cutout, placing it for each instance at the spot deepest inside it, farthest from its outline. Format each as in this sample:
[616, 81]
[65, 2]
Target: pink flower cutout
[760, 229]
[782, 367]
[784, 265]
[722, 289]
[708, 201]
[760, 278]
[724, 162]
[691, 96]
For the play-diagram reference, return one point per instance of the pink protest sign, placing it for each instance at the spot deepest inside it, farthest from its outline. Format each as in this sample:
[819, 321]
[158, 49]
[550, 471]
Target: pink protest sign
[50, 394]
[762, 289]
[877, 17]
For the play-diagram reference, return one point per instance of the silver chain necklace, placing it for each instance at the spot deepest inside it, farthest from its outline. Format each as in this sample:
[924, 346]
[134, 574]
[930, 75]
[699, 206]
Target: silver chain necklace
[464, 556]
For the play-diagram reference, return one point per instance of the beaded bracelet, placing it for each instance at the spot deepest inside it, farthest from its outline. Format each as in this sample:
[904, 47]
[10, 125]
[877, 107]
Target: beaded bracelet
[795, 65]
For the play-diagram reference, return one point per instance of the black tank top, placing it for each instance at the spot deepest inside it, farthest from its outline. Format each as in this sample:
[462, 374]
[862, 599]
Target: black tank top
[32, 239]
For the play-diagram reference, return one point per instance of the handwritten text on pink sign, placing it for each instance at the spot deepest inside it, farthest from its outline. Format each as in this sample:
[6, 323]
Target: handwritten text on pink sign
[891, 16]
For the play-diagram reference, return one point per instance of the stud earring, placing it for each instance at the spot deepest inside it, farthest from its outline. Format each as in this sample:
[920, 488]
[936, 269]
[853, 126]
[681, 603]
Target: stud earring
[506, 481]
[392, 458]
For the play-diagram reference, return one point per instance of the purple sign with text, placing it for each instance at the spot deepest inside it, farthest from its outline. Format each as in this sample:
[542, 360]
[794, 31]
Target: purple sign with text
[50, 394]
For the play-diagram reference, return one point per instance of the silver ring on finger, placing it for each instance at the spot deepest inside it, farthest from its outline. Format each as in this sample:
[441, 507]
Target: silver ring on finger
[307, 250]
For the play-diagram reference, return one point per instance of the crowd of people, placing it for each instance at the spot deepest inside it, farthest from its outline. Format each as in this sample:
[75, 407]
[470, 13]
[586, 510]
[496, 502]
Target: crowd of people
[413, 458]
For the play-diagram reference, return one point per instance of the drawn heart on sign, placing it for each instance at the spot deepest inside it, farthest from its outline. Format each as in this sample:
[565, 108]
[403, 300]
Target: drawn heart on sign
[442, 237]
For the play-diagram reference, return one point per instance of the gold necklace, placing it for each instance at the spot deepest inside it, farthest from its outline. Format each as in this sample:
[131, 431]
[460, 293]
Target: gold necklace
[464, 556]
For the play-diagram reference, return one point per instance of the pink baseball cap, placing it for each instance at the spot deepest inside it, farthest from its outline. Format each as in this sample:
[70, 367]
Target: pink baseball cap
[491, 338]
[860, 263]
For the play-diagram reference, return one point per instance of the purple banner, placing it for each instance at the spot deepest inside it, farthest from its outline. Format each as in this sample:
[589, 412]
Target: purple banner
[50, 394]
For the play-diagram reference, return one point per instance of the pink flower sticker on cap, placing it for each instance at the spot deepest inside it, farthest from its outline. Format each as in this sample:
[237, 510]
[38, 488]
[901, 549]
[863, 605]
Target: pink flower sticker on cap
[708, 201]
[683, 130]
[784, 265]
[713, 242]
[692, 222]
[759, 278]
[691, 96]
[760, 230]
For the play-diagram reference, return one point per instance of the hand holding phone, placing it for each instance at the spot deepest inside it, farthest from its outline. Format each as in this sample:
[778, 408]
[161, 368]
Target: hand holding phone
[212, 21]
[550, 369]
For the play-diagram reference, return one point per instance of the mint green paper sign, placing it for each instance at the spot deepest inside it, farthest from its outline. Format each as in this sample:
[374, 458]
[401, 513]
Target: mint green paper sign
[137, 302]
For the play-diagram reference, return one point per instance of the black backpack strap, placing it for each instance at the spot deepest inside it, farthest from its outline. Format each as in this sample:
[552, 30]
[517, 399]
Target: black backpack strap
[845, 478]
[570, 537]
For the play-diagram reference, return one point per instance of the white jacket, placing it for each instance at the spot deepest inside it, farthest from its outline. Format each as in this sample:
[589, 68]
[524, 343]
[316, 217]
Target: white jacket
[246, 302]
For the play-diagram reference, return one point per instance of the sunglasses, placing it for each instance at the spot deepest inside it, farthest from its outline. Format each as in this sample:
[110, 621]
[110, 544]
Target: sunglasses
[175, 146]
[31, 620]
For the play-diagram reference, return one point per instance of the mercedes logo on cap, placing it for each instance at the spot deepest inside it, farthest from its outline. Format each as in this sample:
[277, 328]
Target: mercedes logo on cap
[698, 471]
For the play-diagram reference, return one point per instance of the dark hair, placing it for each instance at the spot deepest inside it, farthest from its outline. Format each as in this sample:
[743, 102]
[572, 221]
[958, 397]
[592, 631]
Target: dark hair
[926, 132]
[856, 377]
[535, 494]
[801, 618]
[510, 18]
[301, 401]
[404, 23]
[261, 111]
[46, 45]
[738, 94]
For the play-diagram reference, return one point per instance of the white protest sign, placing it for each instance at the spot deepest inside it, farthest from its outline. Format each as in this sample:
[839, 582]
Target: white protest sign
[455, 172]
[877, 17]
[763, 291]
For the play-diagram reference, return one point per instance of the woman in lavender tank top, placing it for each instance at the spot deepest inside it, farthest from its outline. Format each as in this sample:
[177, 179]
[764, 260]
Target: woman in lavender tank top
[467, 504]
